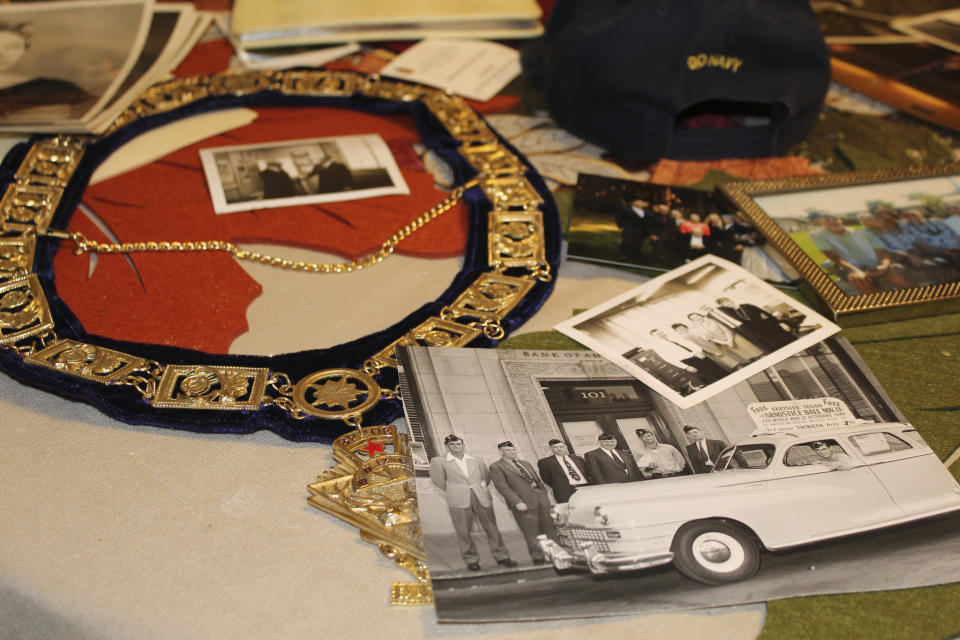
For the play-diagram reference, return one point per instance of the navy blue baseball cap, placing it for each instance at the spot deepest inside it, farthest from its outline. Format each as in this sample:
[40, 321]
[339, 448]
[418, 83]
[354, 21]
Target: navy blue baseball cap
[652, 79]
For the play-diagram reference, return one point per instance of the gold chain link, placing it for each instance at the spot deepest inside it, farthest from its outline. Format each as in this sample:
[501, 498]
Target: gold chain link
[85, 245]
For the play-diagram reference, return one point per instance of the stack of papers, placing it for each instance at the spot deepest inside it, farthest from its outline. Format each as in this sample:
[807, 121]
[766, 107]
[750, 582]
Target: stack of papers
[266, 23]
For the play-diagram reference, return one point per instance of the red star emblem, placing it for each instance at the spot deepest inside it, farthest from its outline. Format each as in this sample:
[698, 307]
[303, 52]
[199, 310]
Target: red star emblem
[373, 448]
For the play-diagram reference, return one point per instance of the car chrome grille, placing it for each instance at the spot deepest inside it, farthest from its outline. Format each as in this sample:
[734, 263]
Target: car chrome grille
[580, 535]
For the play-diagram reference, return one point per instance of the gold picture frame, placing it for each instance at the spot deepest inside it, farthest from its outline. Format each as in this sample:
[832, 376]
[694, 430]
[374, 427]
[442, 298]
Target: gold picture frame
[794, 213]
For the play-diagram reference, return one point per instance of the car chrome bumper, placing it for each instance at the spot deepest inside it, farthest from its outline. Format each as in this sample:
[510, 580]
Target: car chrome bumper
[598, 561]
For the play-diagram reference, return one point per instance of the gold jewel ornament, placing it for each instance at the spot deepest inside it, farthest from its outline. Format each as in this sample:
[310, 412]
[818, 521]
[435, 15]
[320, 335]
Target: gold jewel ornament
[372, 488]
[513, 249]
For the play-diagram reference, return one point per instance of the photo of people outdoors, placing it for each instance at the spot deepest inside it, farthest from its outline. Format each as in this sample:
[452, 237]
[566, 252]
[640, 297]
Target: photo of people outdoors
[281, 174]
[658, 227]
[876, 237]
[698, 329]
[520, 454]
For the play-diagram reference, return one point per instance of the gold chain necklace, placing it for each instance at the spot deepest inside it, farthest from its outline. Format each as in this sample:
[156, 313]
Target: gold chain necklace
[84, 245]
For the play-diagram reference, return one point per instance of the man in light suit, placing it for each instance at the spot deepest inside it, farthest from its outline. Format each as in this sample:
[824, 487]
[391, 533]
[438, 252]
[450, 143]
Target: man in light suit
[526, 495]
[608, 465]
[701, 451]
[563, 472]
[465, 483]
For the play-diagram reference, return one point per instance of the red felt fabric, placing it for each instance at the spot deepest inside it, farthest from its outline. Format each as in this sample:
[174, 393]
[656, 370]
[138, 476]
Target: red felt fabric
[199, 301]
[206, 57]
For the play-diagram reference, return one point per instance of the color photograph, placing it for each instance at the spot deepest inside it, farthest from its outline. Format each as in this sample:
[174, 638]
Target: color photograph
[639, 224]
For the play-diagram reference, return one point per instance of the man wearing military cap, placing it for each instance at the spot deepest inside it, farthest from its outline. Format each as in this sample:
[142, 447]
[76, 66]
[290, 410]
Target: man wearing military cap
[465, 482]
[608, 465]
[525, 494]
[563, 471]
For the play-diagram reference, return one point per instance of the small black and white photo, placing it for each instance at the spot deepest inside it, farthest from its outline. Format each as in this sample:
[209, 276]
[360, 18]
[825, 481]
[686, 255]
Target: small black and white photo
[295, 172]
[60, 62]
[551, 484]
[698, 329]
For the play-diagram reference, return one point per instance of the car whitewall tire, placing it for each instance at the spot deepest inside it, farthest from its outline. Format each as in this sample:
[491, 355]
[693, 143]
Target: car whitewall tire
[715, 552]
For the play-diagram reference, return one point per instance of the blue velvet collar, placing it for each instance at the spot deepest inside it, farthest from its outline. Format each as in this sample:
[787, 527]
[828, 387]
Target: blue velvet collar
[124, 404]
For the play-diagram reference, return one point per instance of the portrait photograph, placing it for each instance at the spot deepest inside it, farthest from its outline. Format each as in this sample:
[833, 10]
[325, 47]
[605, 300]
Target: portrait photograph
[62, 61]
[639, 224]
[295, 172]
[856, 237]
[698, 329]
[550, 484]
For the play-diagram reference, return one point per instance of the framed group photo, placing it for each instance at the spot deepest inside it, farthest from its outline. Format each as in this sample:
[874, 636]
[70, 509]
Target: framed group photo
[866, 241]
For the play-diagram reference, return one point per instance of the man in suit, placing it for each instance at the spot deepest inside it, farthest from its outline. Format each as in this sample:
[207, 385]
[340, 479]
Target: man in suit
[607, 465]
[331, 176]
[563, 472]
[757, 325]
[277, 183]
[465, 483]
[633, 228]
[701, 451]
[662, 231]
[525, 494]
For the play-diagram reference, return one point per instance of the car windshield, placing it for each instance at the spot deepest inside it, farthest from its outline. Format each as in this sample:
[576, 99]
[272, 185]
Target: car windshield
[745, 456]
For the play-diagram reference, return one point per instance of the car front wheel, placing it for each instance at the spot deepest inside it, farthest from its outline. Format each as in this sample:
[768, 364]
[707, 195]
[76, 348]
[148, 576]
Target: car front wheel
[715, 552]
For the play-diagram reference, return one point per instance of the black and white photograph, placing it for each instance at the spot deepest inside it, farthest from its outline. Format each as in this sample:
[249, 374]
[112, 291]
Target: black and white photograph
[550, 484]
[295, 172]
[60, 62]
[698, 329]
[639, 224]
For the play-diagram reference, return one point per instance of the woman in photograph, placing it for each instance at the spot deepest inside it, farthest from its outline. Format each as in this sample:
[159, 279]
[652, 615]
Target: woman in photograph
[25, 96]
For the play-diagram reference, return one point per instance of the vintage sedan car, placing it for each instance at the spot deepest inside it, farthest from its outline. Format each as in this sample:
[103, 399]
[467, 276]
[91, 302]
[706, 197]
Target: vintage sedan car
[766, 492]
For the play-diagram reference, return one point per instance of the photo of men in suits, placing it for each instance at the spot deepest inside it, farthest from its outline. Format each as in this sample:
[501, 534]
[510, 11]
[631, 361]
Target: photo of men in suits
[525, 495]
[465, 481]
[701, 451]
[608, 465]
[563, 471]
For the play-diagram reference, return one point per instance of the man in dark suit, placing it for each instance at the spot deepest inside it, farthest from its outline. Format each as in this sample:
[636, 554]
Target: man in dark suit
[702, 452]
[526, 495]
[277, 183]
[331, 176]
[757, 325]
[662, 231]
[631, 218]
[563, 472]
[607, 464]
